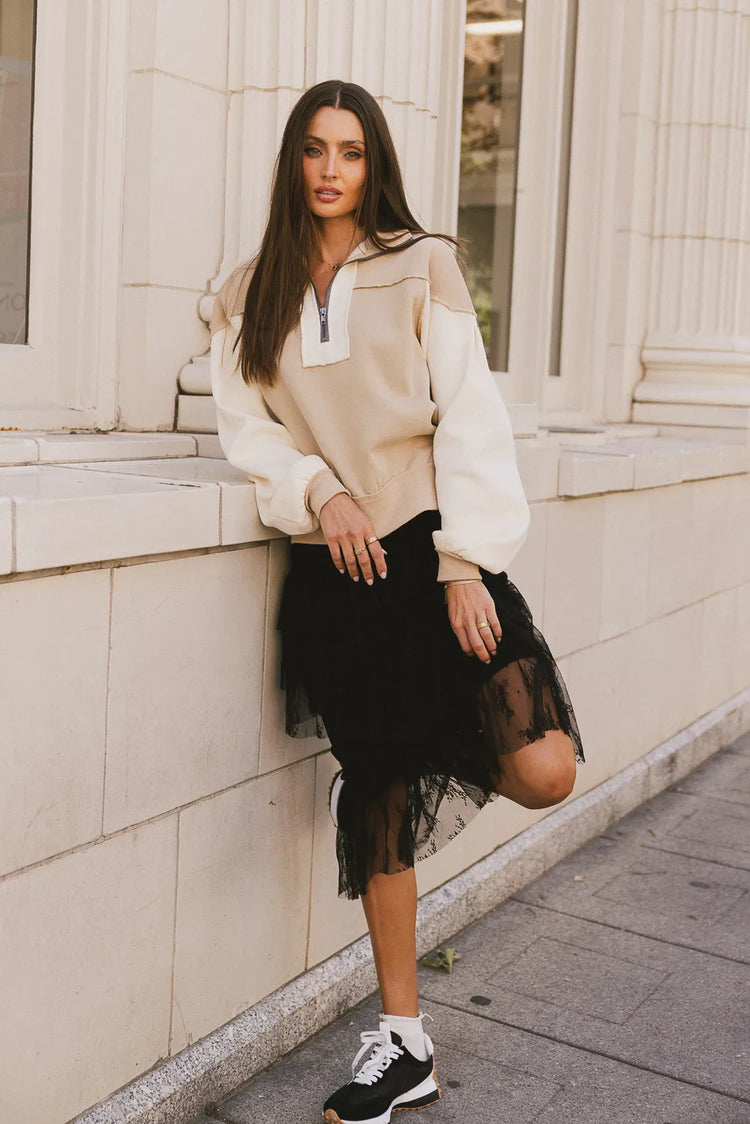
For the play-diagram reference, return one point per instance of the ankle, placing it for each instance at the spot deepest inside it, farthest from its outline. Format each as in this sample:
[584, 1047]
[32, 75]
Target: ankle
[411, 1033]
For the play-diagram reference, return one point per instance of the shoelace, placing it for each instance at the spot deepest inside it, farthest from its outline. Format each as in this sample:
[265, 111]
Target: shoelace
[384, 1051]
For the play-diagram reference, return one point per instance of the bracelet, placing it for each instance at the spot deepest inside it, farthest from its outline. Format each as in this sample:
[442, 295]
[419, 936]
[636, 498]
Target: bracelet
[457, 581]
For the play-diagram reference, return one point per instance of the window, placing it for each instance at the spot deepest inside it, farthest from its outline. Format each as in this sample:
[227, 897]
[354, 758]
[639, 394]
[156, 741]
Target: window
[60, 254]
[489, 161]
[17, 19]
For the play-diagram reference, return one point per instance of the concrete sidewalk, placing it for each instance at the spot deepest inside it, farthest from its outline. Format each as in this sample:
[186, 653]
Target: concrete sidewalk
[615, 989]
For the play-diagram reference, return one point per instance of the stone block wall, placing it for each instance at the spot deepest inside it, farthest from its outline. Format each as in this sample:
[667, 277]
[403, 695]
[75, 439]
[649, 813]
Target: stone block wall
[167, 858]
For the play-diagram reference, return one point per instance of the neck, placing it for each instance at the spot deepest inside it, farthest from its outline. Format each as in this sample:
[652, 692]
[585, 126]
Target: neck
[337, 238]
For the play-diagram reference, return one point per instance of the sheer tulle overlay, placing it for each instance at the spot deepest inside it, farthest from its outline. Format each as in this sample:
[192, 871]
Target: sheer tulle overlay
[417, 726]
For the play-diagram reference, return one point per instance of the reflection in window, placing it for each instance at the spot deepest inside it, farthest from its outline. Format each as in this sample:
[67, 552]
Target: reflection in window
[16, 78]
[489, 150]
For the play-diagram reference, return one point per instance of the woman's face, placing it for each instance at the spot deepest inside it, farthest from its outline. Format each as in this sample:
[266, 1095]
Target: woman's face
[334, 162]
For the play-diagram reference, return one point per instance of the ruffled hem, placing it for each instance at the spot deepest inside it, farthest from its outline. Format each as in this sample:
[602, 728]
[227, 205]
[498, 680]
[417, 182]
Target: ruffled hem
[417, 726]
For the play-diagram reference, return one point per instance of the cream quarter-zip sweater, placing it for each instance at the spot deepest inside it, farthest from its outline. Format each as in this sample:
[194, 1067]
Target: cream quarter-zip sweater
[383, 392]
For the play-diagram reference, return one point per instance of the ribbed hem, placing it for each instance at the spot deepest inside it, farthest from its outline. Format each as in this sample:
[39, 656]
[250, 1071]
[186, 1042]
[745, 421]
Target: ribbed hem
[322, 488]
[452, 568]
[404, 496]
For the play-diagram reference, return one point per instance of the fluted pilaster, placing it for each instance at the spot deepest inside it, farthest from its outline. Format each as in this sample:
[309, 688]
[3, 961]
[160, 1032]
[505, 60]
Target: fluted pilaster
[277, 49]
[697, 352]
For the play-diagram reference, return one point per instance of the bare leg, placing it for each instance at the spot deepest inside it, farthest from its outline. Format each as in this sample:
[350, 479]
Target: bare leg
[535, 774]
[390, 906]
[539, 774]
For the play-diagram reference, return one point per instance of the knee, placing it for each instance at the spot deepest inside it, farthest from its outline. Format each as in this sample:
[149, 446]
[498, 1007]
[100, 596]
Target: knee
[549, 786]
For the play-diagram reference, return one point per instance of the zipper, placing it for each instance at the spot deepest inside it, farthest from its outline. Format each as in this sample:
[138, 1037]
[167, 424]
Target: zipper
[323, 308]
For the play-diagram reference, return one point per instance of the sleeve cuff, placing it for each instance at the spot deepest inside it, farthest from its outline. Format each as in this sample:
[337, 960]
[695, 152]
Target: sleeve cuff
[452, 568]
[322, 488]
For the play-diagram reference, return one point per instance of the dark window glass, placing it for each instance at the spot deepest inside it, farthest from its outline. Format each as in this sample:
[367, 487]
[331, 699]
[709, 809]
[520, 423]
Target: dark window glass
[489, 158]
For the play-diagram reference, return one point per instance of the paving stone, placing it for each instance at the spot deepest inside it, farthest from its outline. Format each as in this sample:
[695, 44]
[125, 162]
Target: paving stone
[651, 886]
[487, 1073]
[726, 775]
[537, 973]
[717, 823]
[614, 988]
[690, 1015]
[652, 891]
[589, 1089]
[698, 825]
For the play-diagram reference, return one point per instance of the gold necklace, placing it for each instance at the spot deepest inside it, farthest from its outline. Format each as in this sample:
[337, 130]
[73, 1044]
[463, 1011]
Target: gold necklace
[337, 265]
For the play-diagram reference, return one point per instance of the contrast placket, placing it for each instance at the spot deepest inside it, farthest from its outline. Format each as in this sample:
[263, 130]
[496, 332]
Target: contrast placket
[324, 326]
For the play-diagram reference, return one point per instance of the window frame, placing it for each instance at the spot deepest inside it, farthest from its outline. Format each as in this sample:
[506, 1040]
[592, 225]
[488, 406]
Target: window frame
[65, 375]
[541, 207]
[541, 203]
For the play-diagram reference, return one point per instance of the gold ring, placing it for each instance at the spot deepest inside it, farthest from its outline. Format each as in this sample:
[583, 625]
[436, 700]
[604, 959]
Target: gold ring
[484, 624]
[360, 549]
[373, 539]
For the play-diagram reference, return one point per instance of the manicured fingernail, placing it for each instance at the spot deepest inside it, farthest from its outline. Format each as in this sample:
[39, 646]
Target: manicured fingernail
[369, 581]
[355, 579]
[382, 573]
[342, 571]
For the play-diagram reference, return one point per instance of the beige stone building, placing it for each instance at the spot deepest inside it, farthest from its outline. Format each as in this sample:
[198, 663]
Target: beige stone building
[168, 912]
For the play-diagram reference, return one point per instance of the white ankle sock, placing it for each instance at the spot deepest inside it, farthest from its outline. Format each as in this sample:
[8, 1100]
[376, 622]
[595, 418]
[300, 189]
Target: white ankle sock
[411, 1033]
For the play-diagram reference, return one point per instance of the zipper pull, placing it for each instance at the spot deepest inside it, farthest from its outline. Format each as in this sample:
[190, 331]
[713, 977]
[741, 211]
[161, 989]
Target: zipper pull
[323, 315]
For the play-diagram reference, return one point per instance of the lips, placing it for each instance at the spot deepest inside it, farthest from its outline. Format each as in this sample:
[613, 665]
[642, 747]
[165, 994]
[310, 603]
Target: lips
[327, 193]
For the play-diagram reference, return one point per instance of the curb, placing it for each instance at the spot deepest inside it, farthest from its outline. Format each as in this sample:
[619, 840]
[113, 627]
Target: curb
[208, 1070]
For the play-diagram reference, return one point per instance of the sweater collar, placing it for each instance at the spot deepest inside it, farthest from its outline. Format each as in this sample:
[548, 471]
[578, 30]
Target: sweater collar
[367, 248]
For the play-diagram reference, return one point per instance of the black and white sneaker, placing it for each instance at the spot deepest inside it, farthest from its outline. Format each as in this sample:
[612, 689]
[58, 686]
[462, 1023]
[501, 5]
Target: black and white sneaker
[389, 1079]
[334, 793]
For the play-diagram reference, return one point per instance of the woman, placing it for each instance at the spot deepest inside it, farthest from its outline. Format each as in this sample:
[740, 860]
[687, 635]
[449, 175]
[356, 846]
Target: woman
[352, 385]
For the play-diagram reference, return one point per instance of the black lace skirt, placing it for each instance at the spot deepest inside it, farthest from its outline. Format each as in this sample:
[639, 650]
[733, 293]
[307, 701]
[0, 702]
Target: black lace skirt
[416, 725]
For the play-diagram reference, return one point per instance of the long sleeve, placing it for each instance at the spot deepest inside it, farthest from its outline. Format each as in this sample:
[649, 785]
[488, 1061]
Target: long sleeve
[485, 514]
[290, 486]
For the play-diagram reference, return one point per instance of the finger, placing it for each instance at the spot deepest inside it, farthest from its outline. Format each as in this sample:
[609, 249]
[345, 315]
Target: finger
[362, 556]
[350, 561]
[335, 551]
[463, 639]
[478, 645]
[497, 631]
[378, 558]
[486, 633]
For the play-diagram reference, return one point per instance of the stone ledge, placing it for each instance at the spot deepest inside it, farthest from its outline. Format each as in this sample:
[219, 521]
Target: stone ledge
[645, 462]
[69, 514]
[63, 448]
[122, 495]
[211, 1068]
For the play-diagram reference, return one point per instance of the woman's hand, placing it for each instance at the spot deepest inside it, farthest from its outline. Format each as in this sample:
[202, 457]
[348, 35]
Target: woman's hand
[472, 615]
[347, 530]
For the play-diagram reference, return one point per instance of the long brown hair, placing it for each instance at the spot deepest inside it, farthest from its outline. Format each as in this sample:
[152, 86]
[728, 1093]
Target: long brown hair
[282, 265]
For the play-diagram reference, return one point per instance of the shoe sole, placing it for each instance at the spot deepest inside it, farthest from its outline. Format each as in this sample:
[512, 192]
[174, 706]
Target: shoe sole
[427, 1096]
[337, 780]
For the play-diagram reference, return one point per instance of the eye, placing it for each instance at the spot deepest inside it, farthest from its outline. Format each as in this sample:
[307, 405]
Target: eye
[311, 150]
[354, 153]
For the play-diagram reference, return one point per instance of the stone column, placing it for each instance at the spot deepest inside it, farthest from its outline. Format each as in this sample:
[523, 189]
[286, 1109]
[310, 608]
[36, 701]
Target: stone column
[696, 354]
[277, 49]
